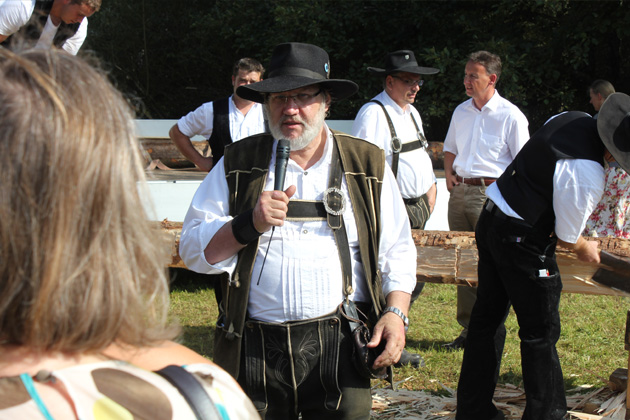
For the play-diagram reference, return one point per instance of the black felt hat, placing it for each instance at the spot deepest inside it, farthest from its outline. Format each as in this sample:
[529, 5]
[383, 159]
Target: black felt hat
[613, 125]
[402, 61]
[293, 66]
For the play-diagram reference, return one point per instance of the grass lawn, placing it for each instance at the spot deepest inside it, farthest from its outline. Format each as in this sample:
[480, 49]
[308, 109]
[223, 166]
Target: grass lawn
[591, 346]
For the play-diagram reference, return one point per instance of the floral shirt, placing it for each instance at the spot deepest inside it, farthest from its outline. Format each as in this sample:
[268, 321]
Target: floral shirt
[117, 390]
[611, 217]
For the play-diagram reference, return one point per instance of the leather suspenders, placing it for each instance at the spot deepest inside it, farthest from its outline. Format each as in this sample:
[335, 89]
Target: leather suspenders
[397, 145]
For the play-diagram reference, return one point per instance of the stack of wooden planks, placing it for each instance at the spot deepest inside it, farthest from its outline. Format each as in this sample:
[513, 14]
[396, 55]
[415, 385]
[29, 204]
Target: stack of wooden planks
[451, 258]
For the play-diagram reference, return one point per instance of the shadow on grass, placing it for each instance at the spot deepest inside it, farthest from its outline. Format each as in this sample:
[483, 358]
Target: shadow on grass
[426, 345]
[199, 338]
[189, 281]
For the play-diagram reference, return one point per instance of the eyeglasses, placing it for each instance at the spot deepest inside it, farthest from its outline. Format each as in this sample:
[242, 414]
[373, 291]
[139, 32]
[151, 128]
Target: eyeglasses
[410, 83]
[300, 99]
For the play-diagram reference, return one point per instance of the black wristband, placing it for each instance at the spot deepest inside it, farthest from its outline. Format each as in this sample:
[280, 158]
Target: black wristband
[243, 228]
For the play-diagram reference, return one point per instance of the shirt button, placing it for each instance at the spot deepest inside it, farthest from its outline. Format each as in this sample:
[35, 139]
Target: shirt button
[305, 173]
[305, 231]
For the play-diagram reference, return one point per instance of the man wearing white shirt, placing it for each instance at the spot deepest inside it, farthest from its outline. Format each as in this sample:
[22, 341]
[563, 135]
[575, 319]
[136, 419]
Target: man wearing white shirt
[544, 197]
[46, 23]
[222, 121]
[485, 134]
[391, 122]
[299, 259]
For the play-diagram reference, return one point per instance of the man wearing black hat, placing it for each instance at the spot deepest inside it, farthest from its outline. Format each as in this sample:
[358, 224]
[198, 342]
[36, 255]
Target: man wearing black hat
[301, 258]
[391, 122]
[544, 197]
[485, 134]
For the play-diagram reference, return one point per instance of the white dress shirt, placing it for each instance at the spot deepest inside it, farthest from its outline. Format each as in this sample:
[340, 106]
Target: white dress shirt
[578, 185]
[200, 121]
[301, 277]
[485, 141]
[16, 13]
[415, 170]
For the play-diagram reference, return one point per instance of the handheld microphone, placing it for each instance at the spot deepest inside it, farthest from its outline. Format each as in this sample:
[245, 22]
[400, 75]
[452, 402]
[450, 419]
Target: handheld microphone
[282, 157]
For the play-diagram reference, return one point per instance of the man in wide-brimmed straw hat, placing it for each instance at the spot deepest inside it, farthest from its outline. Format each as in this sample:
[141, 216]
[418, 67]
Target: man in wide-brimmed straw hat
[301, 258]
[391, 122]
[544, 197]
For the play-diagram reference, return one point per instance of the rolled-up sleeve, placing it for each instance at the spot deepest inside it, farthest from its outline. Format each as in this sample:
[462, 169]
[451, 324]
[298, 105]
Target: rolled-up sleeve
[578, 185]
[208, 212]
[397, 252]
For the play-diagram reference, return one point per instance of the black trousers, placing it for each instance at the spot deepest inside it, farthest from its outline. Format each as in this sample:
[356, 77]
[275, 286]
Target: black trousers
[303, 368]
[517, 266]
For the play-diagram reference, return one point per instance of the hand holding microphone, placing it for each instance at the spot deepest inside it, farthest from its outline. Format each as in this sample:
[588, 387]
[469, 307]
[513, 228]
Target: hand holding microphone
[271, 208]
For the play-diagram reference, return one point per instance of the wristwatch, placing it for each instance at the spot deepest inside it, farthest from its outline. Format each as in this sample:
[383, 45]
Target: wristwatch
[399, 313]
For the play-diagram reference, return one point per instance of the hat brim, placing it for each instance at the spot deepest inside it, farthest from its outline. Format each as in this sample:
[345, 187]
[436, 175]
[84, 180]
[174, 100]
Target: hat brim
[410, 69]
[338, 88]
[613, 125]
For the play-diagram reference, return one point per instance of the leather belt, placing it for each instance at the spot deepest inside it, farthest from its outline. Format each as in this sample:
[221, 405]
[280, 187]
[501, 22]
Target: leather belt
[476, 181]
[494, 210]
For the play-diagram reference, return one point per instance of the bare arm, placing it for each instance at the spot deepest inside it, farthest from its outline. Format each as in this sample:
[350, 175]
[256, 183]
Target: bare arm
[185, 146]
[392, 329]
[449, 173]
[432, 195]
[158, 357]
[585, 250]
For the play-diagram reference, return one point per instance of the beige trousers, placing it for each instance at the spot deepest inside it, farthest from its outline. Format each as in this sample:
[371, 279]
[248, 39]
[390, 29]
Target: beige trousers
[464, 207]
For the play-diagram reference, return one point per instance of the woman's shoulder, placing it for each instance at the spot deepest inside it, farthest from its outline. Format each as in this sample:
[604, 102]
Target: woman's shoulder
[123, 388]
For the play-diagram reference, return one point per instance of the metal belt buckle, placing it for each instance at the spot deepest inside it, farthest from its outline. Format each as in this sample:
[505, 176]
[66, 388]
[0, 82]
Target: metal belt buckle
[423, 140]
[396, 145]
[334, 201]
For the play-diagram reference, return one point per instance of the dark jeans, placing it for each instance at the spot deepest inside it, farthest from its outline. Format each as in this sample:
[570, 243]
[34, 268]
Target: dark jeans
[517, 266]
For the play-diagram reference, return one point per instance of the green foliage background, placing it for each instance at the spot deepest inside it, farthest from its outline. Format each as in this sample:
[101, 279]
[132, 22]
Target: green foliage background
[172, 56]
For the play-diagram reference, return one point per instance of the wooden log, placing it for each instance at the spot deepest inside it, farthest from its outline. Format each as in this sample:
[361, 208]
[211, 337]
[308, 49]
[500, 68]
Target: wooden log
[164, 150]
[451, 258]
[441, 259]
[436, 154]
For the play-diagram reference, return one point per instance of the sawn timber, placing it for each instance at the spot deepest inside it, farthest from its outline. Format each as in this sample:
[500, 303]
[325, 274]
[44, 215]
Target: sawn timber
[449, 257]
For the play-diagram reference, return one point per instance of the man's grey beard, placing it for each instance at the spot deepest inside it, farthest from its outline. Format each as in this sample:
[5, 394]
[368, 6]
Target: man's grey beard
[310, 130]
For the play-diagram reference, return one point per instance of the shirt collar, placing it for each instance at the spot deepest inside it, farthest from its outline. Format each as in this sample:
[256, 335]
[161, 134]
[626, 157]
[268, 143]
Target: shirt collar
[492, 104]
[387, 100]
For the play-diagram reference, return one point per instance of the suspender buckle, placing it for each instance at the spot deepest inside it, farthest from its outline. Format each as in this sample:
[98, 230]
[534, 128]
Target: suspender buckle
[334, 201]
[396, 144]
[423, 140]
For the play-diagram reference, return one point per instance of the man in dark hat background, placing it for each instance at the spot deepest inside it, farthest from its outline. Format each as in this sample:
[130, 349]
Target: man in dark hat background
[544, 197]
[337, 234]
[485, 134]
[391, 122]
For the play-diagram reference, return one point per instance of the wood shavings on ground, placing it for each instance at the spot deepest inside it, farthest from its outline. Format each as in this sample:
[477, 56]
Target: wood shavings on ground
[405, 404]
